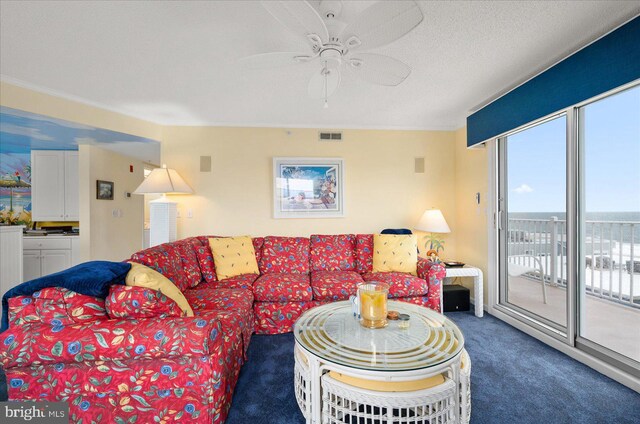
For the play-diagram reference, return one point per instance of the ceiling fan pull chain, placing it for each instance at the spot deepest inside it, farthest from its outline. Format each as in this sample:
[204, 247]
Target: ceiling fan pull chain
[326, 83]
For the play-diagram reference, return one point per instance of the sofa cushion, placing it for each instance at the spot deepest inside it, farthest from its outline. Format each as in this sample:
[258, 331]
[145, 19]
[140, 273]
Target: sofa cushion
[334, 285]
[400, 284]
[166, 260]
[234, 309]
[56, 306]
[220, 299]
[395, 253]
[288, 255]
[143, 276]
[279, 317]
[258, 244]
[282, 288]
[244, 282]
[140, 302]
[333, 252]
[190, 266]
[233, 256]
[364, 253]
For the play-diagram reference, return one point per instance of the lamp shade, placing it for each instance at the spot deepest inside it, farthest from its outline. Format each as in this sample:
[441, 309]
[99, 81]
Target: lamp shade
[433, 221]
[163, 181]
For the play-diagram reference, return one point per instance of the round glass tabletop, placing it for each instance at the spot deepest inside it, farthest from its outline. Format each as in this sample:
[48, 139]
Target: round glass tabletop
[332, 333]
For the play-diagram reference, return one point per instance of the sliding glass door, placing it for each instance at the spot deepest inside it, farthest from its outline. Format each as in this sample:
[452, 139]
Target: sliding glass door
[533, 228]
[569, 226]
[609, 222]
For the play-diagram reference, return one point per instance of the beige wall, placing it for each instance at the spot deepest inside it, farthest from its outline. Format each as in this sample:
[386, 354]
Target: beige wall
[103, 235]
[471, 219]
[381, 188]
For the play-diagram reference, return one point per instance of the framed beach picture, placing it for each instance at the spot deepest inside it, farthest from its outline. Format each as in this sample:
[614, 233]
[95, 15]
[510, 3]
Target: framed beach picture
[104, 190]
[308, 187]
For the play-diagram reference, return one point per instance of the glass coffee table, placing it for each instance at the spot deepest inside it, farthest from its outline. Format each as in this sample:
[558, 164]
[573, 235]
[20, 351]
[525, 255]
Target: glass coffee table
[347, 373]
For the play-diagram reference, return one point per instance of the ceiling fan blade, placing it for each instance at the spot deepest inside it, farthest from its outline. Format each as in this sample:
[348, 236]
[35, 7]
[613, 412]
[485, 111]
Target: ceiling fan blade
[378, 69]
[316, 88]
[274, 60]
[382, 23]
[300, 18]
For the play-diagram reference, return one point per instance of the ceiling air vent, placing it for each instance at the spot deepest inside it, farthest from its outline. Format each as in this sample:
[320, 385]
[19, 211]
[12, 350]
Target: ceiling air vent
[330, 136]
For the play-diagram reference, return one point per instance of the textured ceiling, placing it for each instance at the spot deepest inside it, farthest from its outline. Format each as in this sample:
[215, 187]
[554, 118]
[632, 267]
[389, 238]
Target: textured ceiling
[176, 62]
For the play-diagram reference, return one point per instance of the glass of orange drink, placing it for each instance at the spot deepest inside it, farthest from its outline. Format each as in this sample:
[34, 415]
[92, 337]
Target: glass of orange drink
[373, 304]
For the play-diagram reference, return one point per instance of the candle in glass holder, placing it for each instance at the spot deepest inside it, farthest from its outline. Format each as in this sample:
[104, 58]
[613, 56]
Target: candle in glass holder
[373, 304]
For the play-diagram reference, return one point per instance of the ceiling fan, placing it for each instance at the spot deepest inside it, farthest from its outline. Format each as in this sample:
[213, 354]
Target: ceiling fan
[337, 45]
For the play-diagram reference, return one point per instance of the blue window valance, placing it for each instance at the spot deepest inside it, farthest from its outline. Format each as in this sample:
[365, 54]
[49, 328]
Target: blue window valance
[610, 62]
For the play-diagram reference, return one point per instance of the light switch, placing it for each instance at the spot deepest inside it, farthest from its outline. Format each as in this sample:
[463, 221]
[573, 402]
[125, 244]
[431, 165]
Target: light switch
[189, 213]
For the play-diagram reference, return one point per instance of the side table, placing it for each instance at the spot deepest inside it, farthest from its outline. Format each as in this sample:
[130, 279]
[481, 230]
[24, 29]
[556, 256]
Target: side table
[476, 274]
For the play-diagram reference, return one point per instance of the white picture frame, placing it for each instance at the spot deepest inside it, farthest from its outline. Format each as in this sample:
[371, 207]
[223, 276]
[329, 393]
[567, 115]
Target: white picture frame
[306, 187]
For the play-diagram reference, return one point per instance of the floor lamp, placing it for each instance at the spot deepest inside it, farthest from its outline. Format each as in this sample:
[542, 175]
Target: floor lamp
[163, 212]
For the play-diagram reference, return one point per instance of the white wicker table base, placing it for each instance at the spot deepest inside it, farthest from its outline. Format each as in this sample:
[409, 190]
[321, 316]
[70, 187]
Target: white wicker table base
[345, 404]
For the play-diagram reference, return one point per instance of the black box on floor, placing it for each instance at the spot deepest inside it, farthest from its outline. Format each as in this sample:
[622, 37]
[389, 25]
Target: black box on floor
[456, 298]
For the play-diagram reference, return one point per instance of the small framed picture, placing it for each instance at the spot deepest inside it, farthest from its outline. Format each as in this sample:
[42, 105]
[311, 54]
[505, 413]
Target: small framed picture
[104, 190]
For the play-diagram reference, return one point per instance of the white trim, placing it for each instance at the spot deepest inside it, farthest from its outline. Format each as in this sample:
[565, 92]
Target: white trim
[492, 233]
[123, 111]
[580, 356]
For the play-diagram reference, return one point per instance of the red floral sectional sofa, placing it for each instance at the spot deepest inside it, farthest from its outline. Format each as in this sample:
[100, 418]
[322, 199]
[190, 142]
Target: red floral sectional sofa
[132, 357]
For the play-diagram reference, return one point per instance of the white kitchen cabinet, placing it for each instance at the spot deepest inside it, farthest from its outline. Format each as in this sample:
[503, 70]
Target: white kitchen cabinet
[71, 187]
[54, 185]
[49, 254]
[54, 260]
[10, 257]
[31, 264]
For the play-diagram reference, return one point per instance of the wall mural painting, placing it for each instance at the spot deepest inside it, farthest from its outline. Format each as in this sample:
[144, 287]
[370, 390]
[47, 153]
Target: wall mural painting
[21, 132]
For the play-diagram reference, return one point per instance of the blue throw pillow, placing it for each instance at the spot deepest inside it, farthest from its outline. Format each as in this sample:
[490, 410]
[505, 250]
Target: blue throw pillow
[398, 231]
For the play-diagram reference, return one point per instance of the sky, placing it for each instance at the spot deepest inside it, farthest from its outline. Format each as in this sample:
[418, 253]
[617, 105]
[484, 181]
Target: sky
[537, 159]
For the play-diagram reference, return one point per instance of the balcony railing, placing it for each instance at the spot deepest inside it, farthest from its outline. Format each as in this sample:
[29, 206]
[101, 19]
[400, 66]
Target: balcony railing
[611, 257]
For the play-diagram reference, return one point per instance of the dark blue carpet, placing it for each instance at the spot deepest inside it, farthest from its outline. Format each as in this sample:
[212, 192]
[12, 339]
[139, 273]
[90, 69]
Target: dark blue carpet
[514, 379]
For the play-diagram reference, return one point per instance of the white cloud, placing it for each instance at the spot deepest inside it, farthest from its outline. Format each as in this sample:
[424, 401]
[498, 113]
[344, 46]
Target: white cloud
[33, 133]
[523, 188]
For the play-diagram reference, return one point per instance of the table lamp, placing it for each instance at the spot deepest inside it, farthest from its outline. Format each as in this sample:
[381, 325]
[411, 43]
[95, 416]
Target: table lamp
[433, 222]
[163, 212]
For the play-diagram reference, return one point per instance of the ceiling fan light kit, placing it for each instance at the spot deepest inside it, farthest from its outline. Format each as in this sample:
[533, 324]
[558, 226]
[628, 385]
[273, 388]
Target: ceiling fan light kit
[337, 44]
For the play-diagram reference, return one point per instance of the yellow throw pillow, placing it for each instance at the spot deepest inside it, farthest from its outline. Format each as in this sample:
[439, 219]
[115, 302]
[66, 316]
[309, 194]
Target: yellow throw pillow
[233, 256]
[143, 276]
[395, 253]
